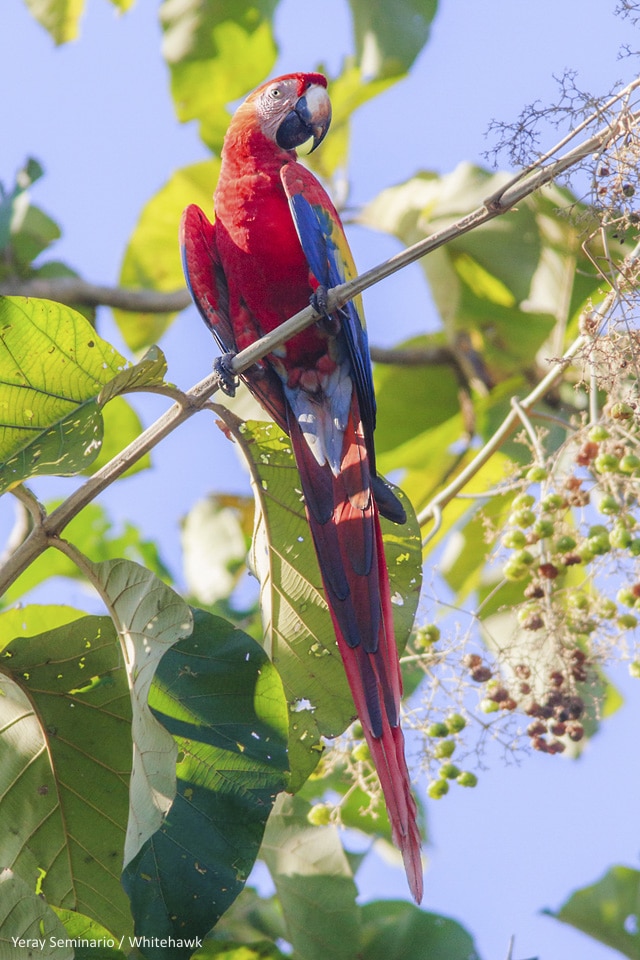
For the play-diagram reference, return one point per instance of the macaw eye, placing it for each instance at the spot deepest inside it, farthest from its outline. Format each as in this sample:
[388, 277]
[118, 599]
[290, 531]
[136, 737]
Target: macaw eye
[276, 93]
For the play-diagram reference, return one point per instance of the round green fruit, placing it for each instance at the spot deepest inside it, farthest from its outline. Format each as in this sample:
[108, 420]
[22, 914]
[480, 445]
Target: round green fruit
[444, 749]
[537, 474]
[438, 789]
[467, 779]
[437, 730]
[320, 815]
[449, 771]
[456, 722]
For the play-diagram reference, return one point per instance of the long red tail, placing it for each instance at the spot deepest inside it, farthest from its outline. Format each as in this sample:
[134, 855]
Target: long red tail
[344, 522]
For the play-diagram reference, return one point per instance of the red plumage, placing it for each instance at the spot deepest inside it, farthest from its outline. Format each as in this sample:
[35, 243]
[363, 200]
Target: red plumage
[276, 239]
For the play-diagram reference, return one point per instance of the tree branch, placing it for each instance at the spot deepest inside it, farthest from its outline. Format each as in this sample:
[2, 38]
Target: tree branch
[75, 291]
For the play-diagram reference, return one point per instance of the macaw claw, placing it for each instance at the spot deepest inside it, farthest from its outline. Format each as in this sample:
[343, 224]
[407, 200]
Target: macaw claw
[227, 376]
[319, 300]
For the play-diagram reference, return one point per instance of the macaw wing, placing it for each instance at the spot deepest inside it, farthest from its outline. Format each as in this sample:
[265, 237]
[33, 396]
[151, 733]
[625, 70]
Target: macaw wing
[205, 276]
[329, 257]
[207, 284]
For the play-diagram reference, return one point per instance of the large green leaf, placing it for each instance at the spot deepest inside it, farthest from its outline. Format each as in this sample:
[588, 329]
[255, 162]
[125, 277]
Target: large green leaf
[608, 910]
[66, 746]
[27, 924]
[217, 50]
[428, 397]
[152, 257]
[61, 18]
[299, 634]
[389, 36]
[395, 930]
[513, 272]
[52, 368]
[223, 703]
[314, 883]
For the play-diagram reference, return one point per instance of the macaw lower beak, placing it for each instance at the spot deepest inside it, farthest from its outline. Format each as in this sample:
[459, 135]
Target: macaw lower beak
[310, 118]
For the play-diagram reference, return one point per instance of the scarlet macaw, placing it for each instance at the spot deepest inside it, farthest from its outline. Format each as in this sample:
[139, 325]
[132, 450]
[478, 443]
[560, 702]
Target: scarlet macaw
[276, 242]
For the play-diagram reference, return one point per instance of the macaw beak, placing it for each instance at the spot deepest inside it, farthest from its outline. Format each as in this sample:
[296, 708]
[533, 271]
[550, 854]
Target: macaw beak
[310, 118]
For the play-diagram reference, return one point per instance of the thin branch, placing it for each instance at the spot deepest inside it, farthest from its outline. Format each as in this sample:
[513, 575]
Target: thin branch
[74, 291]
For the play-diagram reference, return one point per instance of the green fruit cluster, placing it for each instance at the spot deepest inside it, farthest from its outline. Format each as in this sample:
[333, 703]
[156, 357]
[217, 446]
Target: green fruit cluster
[445, 732]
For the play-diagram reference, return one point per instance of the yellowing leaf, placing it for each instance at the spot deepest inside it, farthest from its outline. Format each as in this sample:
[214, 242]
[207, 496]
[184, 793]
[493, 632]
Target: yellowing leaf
[217, 51]
[61, 18]
[152, 257]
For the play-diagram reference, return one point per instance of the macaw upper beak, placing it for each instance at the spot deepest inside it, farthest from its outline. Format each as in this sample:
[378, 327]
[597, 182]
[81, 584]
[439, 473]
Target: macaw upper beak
[310, 118]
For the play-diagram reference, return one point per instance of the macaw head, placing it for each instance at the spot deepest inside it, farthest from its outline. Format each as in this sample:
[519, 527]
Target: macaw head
[292, 109]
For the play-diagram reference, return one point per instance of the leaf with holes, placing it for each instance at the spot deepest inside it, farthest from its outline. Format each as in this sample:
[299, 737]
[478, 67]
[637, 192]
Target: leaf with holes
[298, 630]
[222, 700]
[65, 714]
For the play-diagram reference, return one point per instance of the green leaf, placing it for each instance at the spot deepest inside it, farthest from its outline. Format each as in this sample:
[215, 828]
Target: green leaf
[148, 372]
[94, 534]
[32, 231]
[150, 618]
[314, 883]
[395, 930]
[25, 916]
[608, 910]
[483, 281]
[65, 720]
[92, 941]
[298, 630]
[52, 368]
[223, 703]
[60, 18]
[13, 203]
[423, 402]
[252, 919]
[152, 257]
[217, 50]
[389, 37]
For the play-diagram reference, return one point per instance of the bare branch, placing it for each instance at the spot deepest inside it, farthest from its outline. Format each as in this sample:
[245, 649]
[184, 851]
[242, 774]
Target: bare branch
[75, 291]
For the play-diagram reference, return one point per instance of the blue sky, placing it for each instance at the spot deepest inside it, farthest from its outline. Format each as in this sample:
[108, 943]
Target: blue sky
[98, 115]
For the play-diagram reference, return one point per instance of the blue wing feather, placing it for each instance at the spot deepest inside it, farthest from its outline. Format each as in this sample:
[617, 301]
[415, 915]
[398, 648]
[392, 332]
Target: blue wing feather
[327, 251]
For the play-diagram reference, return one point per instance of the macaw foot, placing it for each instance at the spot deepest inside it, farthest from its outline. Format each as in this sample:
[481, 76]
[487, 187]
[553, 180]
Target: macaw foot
[328, 322]
[319, 300]
[223, 366]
